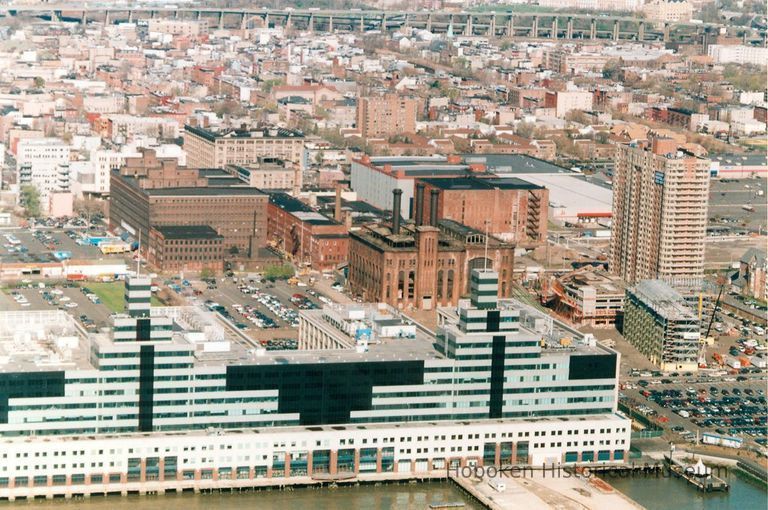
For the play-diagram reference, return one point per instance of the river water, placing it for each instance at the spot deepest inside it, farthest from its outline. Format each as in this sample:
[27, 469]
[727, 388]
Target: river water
[665, 493]
[365, 497]
[653, 493]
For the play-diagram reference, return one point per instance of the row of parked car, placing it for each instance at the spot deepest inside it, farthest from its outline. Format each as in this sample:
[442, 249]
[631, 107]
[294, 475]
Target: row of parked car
[734, 411]
[20, 298]
[257, 318]
[274, 305]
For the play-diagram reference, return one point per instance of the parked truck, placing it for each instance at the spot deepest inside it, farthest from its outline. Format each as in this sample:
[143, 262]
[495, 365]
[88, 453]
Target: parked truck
[733, 362]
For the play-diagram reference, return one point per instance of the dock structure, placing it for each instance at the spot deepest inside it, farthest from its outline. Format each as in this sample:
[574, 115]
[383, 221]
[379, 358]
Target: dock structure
[698, 475]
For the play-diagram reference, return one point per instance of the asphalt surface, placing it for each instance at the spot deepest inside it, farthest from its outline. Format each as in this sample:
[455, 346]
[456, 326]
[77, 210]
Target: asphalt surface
[753, 382]
[726, 201]
[40, 251]
[227, 293]
[98, 313]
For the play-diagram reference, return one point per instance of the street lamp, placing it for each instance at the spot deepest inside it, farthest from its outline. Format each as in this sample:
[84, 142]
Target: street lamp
[671, 451]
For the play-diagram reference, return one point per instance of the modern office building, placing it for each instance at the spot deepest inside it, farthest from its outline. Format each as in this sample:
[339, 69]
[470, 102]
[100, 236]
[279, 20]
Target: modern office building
[217, 148]
[662, 326]
[173, 399]
[149, 191]
[589, 297]
[660, 198]
[423, 264]
[386, 115]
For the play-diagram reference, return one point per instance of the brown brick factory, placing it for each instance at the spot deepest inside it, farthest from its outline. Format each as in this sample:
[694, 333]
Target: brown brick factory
[149, 192]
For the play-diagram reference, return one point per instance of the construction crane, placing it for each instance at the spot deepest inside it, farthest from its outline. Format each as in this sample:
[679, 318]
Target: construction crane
[721, 280]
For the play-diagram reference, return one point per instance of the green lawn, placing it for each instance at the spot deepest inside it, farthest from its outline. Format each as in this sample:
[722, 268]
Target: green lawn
[112, 295]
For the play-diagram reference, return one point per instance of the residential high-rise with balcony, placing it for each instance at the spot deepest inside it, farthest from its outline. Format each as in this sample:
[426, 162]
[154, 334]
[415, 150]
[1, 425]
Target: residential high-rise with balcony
[660, 194]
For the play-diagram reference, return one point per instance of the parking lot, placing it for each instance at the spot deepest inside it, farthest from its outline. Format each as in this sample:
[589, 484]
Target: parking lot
[265, 311]
[69, 297]
[40, 245]
[684, 404]
[727, 201]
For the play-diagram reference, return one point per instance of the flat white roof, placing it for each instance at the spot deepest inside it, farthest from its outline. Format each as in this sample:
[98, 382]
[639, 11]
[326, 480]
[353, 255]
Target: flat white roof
[573, 193]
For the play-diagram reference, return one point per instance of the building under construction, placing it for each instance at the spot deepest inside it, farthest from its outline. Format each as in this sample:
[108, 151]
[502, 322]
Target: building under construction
[425, 262]
[662, 326]
[589, 297]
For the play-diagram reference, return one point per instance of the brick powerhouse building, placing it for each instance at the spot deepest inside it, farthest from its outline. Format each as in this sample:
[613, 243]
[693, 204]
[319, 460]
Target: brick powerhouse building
[149, 191]
[308, 237]
[516, 209]
[185, 248]
[423, 264]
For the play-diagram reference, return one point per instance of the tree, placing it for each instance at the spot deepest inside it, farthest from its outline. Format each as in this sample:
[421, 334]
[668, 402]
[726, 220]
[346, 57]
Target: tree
[39, 82]
[745, 77]
[275, 272]
[89, 207]
[524, 129]
[612, 69]
[206, 273]
[578, 117]
[234, 250]
[30, 199]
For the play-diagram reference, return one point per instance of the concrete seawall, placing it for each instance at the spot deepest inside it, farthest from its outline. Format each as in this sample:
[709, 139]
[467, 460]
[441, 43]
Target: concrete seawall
[206, 485]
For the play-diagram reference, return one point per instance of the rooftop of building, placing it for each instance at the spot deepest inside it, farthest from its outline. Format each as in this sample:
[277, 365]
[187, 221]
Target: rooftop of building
[742, 159]
[573, 192]
[602, 281]
[452, 236]
[664, 300]
[187, 232]
[555, 337]
[299, 209]
[417, 166]
[40, 340]
[515, 164]
[756, 254]
[426, 426]
[475, 183]
[213, 134]
[218, 186]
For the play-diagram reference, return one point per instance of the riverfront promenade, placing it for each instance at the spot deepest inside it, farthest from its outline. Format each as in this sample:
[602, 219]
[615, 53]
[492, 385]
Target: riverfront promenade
[543, 490]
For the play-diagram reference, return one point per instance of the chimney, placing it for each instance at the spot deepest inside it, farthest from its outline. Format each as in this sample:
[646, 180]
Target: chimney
[433, 207]
[337, 207]
[418, 206]
[396, 197]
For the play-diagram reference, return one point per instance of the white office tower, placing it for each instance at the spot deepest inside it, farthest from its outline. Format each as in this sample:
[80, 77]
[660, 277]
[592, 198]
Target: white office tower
[176, 398]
